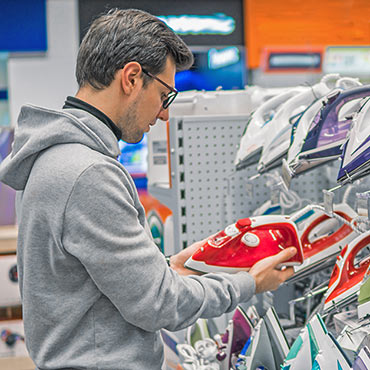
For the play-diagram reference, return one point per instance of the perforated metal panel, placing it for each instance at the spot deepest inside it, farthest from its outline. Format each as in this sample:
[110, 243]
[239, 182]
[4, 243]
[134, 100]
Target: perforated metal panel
[209, 151]
[207, 194]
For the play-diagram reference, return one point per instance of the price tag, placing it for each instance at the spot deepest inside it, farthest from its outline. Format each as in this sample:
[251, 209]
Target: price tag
[286, 174]
[328, 201]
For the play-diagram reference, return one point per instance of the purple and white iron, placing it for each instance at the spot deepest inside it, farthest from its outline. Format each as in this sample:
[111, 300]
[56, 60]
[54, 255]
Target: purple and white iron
[301, 127]
[362, 361]
[329, 128]
[355, 160]
[237, 333]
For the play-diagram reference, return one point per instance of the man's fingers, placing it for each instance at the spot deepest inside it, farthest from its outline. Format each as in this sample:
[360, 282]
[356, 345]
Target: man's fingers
[285, 255]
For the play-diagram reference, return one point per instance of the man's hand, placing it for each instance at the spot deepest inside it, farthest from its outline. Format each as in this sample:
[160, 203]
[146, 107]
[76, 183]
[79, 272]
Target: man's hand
[266, 272]
[178, 260]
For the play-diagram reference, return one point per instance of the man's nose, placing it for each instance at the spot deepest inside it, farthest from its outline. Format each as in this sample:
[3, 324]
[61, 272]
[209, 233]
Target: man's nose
[163, 115]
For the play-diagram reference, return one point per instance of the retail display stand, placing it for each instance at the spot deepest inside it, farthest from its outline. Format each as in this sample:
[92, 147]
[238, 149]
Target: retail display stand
[15, 357]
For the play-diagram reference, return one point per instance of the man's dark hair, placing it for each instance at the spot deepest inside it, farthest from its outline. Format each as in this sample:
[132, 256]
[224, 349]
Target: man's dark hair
[123, 36]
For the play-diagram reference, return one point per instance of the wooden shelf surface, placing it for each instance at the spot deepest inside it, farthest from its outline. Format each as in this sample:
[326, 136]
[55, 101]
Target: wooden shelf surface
[16, 363]
[8, 239]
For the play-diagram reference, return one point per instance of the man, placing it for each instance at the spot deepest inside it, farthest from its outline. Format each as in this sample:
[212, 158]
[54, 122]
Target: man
[95, 288]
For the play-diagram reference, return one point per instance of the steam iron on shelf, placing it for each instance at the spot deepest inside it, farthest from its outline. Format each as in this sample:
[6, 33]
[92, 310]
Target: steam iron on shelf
[356, 151]
[330, 355]
[363, 307]
[323, 238]
[315, 348]
[241, 245]
[277, 144]
[278, 341]
[238, 331]
[302, 353]
[329, 128]
[171, 354]
[254, 135]
[362, 361]
[301, 126]
[201, 329]
[258, 352]
[348, 273]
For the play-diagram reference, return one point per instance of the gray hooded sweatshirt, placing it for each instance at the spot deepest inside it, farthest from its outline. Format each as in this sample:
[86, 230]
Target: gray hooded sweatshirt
[95, 288]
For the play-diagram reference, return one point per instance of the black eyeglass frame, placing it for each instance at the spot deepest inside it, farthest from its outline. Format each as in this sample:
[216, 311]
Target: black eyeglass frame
[171, 95]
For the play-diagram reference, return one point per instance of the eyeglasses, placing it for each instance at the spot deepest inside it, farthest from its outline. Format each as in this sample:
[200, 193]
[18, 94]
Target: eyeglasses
[171, 95]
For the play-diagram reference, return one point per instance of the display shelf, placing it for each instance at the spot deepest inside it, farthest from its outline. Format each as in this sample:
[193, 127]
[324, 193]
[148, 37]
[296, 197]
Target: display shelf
[8, 239]
[16, 363]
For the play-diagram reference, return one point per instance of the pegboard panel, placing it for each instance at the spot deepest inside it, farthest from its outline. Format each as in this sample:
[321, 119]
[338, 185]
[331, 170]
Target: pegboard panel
[209, 152]
[210, 194]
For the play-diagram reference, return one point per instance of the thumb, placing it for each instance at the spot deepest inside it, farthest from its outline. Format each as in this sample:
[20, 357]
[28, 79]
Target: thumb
[284, 255]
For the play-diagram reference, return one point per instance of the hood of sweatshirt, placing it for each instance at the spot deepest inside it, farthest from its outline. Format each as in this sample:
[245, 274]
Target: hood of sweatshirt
[40, 128]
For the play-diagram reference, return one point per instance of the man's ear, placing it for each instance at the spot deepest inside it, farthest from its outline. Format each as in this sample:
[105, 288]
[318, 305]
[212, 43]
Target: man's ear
[131, 77]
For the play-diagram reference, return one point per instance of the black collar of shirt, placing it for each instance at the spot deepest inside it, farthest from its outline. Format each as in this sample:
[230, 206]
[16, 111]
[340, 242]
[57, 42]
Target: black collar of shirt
[72, 102]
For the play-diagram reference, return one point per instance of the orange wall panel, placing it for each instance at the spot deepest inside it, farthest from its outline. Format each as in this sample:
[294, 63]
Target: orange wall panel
[304, 24]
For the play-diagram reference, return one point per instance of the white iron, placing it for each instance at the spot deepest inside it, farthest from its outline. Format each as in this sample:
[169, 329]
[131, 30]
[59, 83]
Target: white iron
[257, 128]
[278, 340]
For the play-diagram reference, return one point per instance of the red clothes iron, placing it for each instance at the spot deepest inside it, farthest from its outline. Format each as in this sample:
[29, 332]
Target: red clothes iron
[323, 237]
[244, 243]
[348, 273]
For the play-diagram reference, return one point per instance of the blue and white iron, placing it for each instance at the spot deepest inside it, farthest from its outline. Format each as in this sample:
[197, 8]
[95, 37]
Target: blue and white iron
[171, 354]
[258, 352]
[329, 128]
[279, 136]
[301, 127]
[355, 160]
[257, 128]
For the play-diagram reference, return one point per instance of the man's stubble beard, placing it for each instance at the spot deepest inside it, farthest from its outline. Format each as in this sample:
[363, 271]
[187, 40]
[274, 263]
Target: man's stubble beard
[128, 124]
